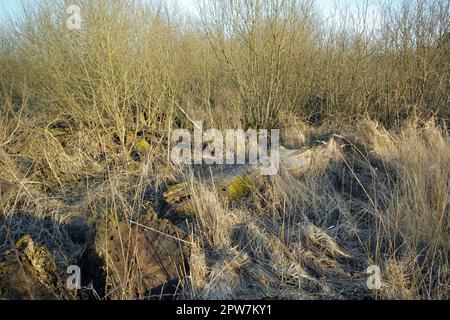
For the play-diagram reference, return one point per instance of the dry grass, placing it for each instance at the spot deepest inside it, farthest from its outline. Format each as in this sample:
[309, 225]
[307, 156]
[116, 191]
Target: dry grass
[74, 106]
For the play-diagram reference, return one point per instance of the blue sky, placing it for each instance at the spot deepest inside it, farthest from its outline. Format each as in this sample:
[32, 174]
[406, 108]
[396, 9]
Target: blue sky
[13, 6]
[9, 6]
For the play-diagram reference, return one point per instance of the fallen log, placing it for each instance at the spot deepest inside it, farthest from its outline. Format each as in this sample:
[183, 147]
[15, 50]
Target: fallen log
[27, 272]
[146, 258]
[236, 181]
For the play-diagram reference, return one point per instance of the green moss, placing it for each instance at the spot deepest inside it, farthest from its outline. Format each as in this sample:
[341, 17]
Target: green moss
[186, 210]
[142, 145]
[239, 188]
[176, 187]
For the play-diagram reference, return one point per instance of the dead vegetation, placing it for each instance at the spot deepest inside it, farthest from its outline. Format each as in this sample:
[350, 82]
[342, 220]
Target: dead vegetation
[85, 174]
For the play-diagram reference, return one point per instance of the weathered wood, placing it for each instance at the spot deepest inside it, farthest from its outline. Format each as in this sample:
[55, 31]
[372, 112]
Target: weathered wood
[235, 180]
[6, 187]
[142, 258]
[27, 271]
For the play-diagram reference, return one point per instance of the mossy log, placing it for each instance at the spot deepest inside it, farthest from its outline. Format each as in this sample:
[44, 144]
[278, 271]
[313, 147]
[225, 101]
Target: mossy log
[27, 272]
[237, 181]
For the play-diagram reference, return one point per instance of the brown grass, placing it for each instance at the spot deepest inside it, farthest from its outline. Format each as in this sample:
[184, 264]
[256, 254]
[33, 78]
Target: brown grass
[73, 103]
